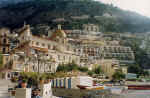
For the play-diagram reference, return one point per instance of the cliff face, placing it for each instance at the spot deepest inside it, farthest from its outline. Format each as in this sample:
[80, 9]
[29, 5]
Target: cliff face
[72, 14]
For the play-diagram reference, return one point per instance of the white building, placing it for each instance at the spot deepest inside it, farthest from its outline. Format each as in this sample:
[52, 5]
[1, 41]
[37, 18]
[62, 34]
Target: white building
[72, 82]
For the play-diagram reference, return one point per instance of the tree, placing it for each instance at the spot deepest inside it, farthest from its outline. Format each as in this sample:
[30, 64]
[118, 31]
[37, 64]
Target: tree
[118, 75]
[67, 67]
[70, 67]
[141, 58]
[134, 69]
[146, 73]
[83, 69]
[90, 73]
[97, 70]
[61, 68]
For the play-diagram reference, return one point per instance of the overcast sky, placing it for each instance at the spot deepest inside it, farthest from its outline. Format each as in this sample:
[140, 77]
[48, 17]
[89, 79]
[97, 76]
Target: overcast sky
[140, 6]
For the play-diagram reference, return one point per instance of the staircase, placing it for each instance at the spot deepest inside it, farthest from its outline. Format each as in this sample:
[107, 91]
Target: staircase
[4, 88]
[4, 93]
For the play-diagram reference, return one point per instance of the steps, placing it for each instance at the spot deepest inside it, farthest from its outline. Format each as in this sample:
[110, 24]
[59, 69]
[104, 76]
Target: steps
[4, 92]
[4, 88]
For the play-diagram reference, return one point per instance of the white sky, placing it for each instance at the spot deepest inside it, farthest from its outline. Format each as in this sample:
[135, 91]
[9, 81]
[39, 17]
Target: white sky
[140, 6]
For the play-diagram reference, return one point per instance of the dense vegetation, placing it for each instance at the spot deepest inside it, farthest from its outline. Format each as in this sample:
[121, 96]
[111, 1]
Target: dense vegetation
[71, 67]
[118, 75]
[108, 17]
[74, 67]
[142, 61]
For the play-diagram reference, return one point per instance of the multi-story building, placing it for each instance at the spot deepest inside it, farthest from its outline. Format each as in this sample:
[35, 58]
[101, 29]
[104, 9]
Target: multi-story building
[88, 31]
[98, 48]
[4, 40]
[85, 47]
[93, 50]
[91, 28]
[110, 66]
[121, 53]
[74, 33]
[43, 54]
[87, 50]
[111, 36]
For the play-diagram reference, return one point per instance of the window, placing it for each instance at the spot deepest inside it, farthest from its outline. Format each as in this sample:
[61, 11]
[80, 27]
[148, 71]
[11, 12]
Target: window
[4, 50]
[49, 47]
[58, 57]
[54, 47]
[87, 28]
[6, 58]
[96, 30]
[4, 41]
[5, 35]
[64, 57]
[92, 28]
[37, 43]
[32, 42]
[43, 45]
[68, 48]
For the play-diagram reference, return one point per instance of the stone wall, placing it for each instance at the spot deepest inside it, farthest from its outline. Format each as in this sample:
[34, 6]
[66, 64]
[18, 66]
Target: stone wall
[23, 93]
[77, 93]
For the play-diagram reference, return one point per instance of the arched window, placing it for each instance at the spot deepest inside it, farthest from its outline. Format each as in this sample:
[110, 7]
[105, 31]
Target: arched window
[4, 50]
[4, 41]
[49, 46]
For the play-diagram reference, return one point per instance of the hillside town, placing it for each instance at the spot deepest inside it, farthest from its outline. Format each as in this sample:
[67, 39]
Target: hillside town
[74, 49]
[24, 52]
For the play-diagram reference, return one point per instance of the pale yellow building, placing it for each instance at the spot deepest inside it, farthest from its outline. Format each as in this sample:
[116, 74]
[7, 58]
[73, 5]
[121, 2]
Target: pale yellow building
[53, 50]
[110, 66]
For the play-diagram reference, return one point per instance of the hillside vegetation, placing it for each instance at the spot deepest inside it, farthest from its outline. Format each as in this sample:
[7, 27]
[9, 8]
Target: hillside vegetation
[72, 14]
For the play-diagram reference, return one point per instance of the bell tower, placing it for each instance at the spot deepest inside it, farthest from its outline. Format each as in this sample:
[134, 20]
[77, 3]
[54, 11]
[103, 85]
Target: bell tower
[25, 33]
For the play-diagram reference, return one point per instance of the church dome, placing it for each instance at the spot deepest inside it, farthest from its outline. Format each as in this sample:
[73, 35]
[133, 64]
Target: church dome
[60, 33]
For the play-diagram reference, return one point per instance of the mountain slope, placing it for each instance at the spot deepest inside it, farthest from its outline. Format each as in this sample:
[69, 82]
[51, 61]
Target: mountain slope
[4, 3]
[72, 14]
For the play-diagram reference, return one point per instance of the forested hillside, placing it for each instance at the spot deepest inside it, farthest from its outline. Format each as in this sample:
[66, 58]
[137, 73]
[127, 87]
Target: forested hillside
[72, 14]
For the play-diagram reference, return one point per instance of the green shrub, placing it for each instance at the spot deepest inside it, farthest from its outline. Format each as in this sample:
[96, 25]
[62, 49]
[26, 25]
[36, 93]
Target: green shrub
[118, 75]
[24, 80]
[83, 69]
[70, 67]
[67, 67]
[90, 73]
[97, 70]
